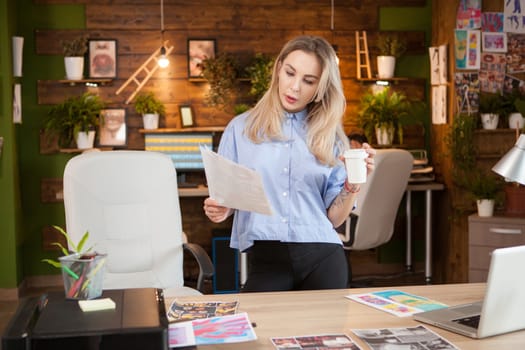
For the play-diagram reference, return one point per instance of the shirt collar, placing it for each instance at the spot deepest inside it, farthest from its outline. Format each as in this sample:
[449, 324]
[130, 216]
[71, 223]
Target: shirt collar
[301, 115]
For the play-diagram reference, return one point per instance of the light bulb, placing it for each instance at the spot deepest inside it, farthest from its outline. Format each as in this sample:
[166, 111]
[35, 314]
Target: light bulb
[163, 60]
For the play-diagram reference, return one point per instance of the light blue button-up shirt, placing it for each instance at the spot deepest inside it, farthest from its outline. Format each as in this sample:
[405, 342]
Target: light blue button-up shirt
[299, 188]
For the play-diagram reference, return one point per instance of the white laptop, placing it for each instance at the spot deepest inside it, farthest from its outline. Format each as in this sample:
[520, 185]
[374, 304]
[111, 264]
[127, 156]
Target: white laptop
[503, 308]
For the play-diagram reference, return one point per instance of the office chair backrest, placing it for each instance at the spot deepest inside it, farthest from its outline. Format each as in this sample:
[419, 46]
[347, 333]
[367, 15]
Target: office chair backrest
[378, 200]
[128, 201]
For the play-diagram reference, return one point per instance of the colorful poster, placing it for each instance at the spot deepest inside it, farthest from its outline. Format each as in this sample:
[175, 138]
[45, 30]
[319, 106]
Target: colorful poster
[469, 14]
[513, 15]
[467, 49]
[515, 57]
[492, 22]
[201, 309]
[492, 72]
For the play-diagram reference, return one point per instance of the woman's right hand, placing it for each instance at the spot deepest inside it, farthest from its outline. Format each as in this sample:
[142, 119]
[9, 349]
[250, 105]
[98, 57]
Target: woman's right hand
[215, 212]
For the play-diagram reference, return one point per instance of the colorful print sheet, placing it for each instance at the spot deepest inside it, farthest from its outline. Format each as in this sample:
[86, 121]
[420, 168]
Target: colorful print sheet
[216, 330]
[396, 302]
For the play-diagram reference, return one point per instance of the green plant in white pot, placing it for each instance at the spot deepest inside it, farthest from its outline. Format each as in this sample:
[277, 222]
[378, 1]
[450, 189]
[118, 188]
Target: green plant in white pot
[383, 113]
[391, 46]
[485, 188]
[74, 51]
[75, 120]
[490, 107]
[150, 107]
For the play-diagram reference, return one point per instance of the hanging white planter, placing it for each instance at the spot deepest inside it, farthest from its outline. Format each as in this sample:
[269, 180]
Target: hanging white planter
[386, 66]
[384, 135]
[74, 68]
[85, 139]
[485, 207]
[489, 121]
[150, 120]
[516, 121]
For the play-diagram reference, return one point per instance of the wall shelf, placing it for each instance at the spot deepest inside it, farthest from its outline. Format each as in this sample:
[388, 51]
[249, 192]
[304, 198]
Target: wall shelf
[182, 130]
[87, 82]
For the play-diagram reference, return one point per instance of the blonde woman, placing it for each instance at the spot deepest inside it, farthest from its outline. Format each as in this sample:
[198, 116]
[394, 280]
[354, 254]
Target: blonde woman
[294, 139]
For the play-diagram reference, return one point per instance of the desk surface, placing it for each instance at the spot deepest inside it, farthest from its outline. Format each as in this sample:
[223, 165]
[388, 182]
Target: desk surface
[318, 312]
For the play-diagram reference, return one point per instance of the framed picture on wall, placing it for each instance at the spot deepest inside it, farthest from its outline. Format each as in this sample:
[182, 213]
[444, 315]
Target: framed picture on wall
[198, 51]
[186, 116]
[102, 58]
[112, 127]
[493, 42]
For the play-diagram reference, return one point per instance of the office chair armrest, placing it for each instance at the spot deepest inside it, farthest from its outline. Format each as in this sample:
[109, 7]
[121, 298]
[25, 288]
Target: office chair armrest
[206, 269]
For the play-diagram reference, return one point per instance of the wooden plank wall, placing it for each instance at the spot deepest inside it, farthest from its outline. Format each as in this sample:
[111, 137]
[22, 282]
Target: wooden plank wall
[240, 27]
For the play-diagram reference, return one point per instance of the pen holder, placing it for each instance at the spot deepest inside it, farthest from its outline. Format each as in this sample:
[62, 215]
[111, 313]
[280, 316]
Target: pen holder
[83, 275]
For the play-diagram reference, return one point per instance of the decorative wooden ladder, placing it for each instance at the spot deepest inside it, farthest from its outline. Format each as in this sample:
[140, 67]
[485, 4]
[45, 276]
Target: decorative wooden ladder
[144, 72]
[362, 55]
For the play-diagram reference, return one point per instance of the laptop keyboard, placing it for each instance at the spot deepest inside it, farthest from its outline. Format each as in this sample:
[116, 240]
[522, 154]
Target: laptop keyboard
[470, 321]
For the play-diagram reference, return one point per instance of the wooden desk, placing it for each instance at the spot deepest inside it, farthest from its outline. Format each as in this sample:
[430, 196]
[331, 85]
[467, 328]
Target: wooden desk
[316, 312]
[201, 191]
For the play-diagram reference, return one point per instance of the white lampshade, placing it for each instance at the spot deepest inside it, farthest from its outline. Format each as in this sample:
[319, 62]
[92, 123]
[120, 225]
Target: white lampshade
[512, 165]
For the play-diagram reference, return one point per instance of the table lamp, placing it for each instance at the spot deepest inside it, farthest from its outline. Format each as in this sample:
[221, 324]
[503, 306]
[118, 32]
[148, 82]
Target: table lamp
[512, 165]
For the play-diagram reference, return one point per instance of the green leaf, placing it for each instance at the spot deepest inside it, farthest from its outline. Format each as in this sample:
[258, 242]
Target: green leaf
[52, 262]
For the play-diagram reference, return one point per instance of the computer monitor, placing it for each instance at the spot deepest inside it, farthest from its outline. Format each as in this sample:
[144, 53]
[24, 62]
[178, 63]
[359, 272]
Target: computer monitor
[183, 149]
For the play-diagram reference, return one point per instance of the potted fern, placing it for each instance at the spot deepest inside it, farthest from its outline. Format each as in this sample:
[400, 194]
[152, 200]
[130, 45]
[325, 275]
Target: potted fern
[82, 270]
[384, 113]
[485, 188]
[74, 51]
[391, 46]
[75, 120]
[150, 107]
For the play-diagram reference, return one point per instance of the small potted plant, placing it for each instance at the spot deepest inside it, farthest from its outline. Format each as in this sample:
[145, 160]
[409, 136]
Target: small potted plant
[75, 119]
[82, 270]
[384, 113]
[74, 51]
[490, 107]
[485, 189]
[150, 107]
[391, 46]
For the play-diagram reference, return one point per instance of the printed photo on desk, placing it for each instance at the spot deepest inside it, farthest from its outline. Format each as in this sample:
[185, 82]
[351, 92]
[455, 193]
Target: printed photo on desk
[195, 310]
[319, 341]
[396, 302]
[112, 127]
[418, 337]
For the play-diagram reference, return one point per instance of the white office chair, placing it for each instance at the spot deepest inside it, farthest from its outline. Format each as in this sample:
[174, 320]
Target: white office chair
[129, 203]
[372, 222]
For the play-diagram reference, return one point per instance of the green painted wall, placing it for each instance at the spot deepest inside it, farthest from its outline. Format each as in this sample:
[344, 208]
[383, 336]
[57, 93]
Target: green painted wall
[22, 215]
[10, 210]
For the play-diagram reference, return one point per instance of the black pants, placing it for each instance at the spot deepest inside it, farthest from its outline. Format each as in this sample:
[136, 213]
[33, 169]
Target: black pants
[277, 266]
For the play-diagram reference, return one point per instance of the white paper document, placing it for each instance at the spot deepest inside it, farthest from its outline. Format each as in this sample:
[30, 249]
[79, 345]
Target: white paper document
[233, 185]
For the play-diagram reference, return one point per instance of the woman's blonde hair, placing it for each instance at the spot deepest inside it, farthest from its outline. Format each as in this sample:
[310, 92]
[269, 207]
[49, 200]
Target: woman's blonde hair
[325, 111]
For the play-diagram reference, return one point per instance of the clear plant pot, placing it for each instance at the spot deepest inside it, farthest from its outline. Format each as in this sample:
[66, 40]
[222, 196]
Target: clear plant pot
[83, 275]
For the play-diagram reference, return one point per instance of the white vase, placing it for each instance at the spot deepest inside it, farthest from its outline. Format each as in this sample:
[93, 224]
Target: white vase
[85, 140]
[489, 121]
[150, 120]
[74, 68]
[386, 66]
[485, 207]
[516, 121]
[384, 135]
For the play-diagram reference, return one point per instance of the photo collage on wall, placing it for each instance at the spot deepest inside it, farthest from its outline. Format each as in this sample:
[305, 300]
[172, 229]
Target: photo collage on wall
[488, 52]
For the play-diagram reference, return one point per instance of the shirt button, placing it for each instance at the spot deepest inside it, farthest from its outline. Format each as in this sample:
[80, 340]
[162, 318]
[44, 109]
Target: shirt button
[284, 220]
[285, 170]
[285, 194]
[286, 144]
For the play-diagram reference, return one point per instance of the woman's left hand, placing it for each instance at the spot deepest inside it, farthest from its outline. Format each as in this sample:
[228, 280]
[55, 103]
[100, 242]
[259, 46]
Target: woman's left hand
[370, 162]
